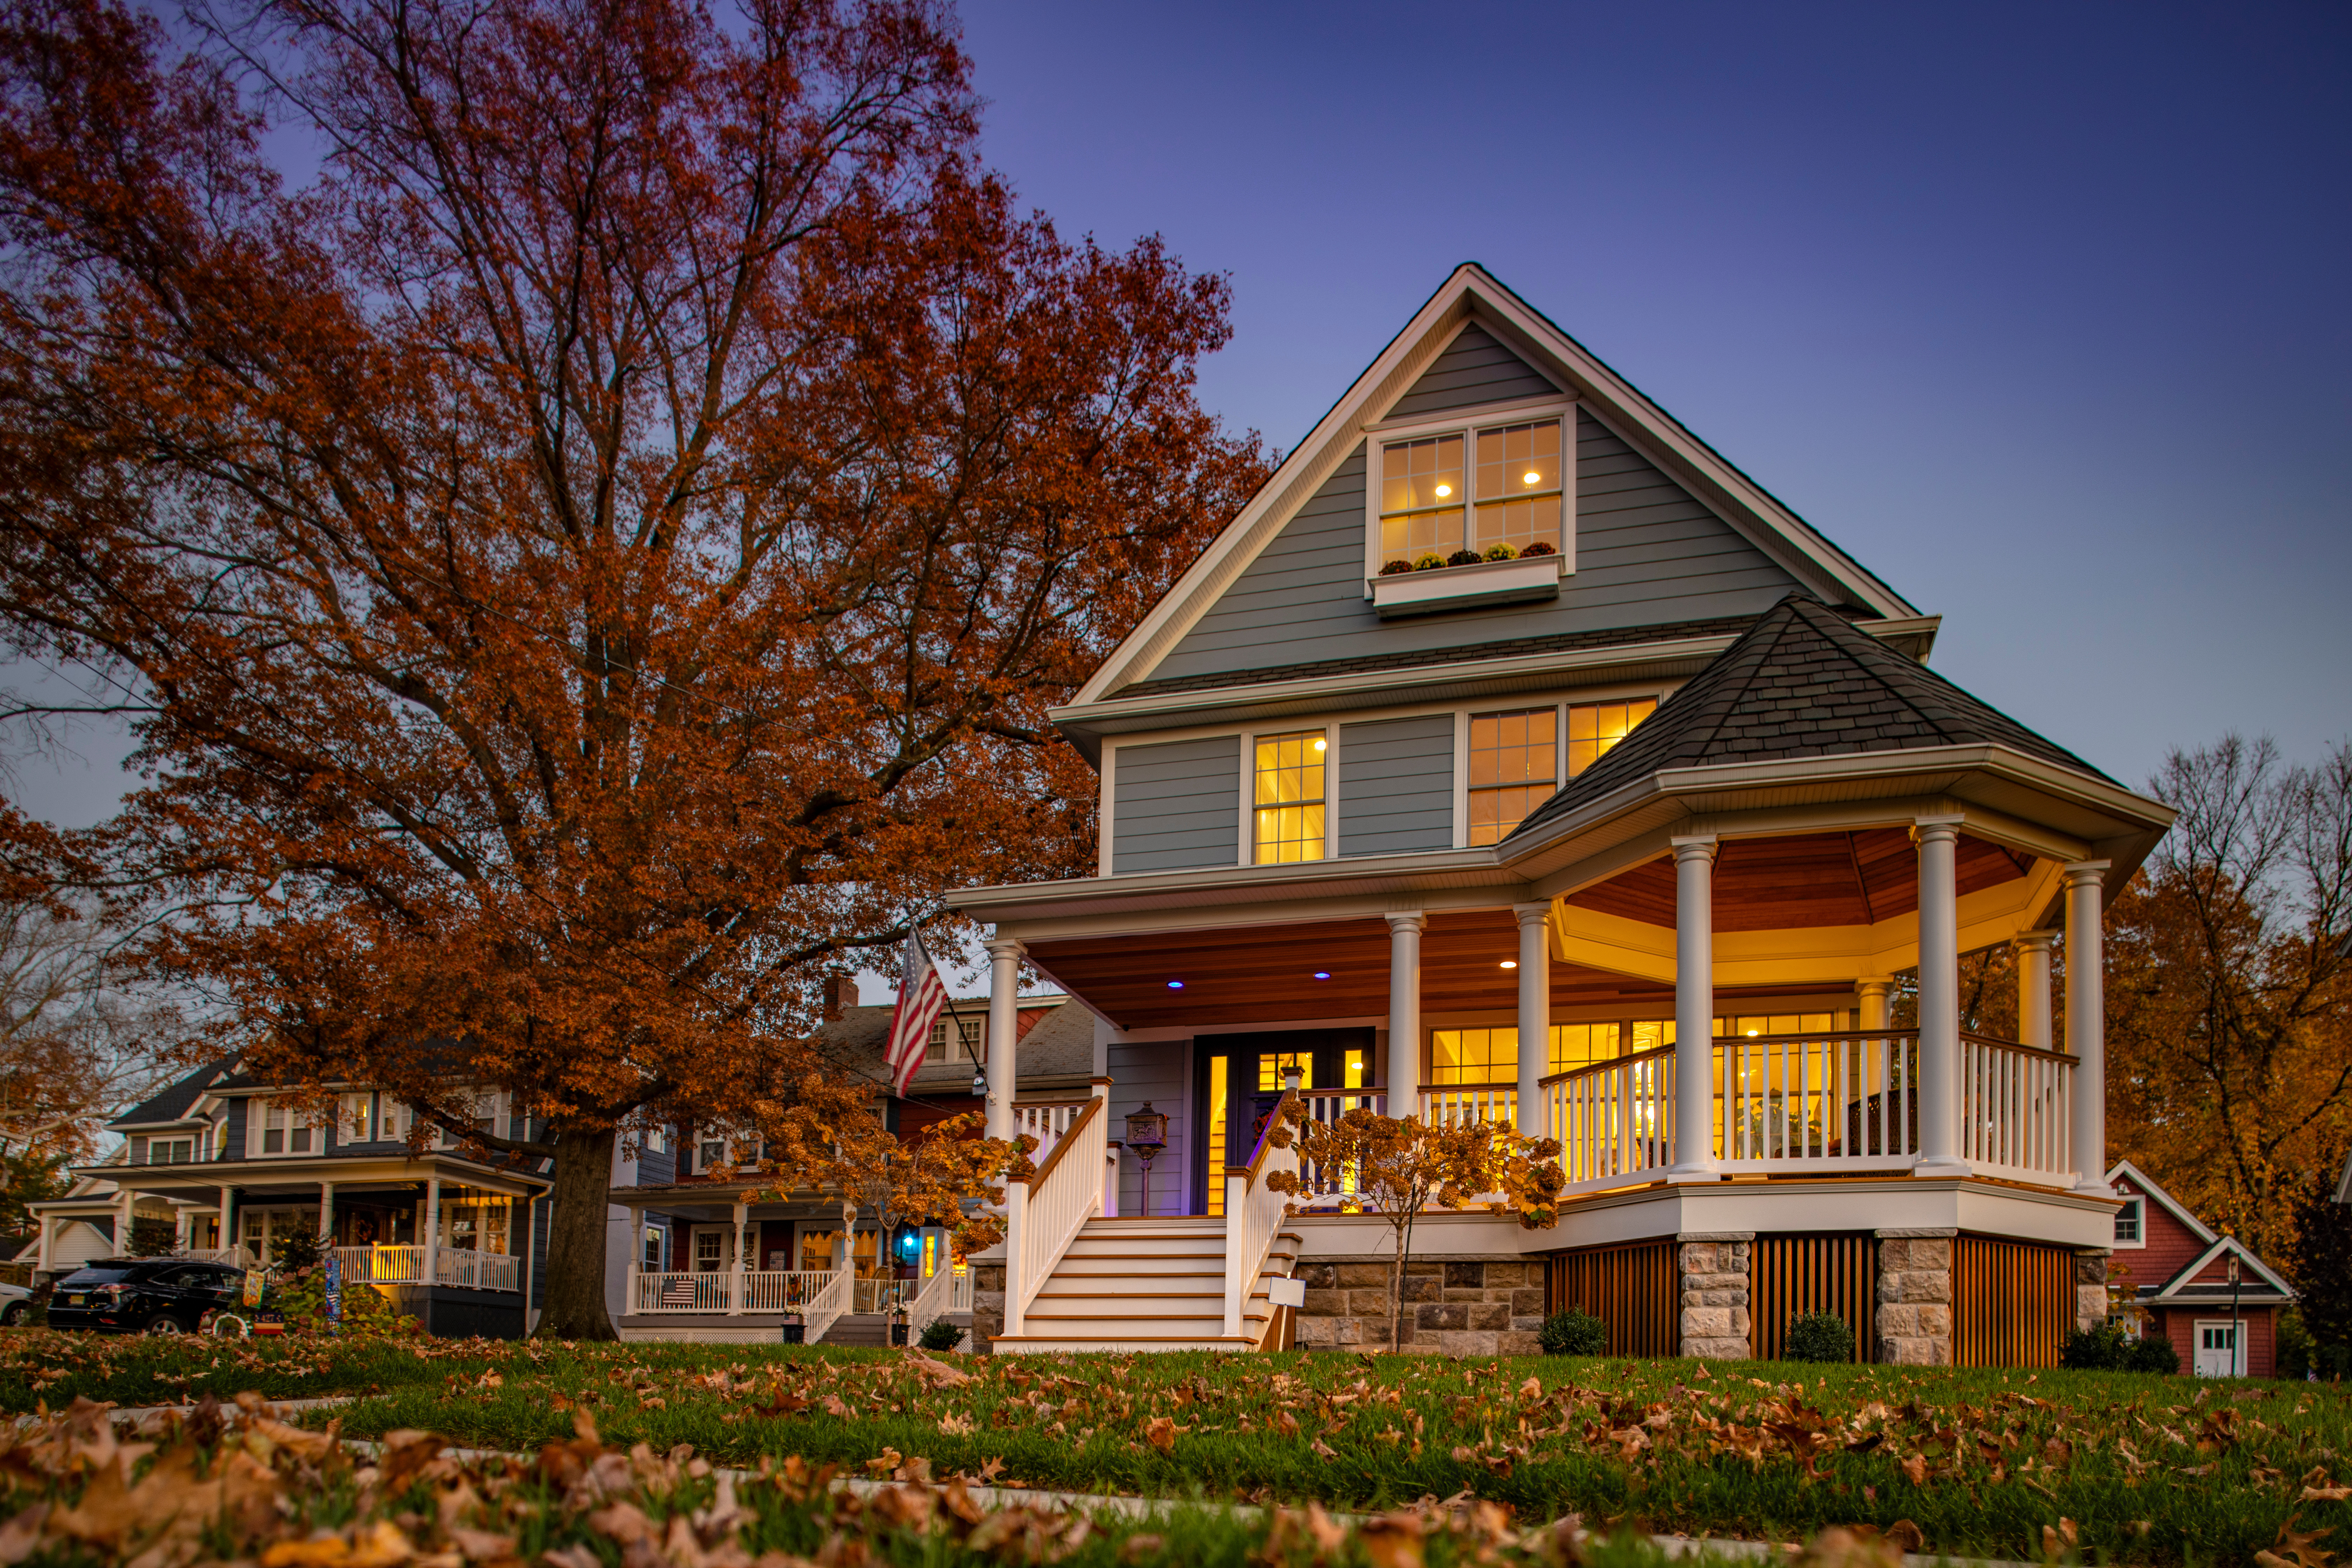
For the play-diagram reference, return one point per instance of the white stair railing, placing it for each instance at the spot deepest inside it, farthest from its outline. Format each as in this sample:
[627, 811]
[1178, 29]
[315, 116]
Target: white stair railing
[1044, 1214]
[1614, 1120]
[934, 1300]
[1254, 1212]
[1447, 1105]
[825, 1307]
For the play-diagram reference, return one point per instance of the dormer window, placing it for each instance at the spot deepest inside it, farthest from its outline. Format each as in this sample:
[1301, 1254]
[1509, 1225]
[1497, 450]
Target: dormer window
[1435, 515]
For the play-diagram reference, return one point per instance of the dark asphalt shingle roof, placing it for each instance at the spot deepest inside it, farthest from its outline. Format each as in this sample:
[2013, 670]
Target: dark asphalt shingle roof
[1801, 682]
[175, 1100]
[1558, 642]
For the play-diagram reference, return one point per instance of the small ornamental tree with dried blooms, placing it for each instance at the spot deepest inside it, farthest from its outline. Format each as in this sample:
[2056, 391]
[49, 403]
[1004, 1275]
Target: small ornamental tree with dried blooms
[599, 551]
[1401, 1166]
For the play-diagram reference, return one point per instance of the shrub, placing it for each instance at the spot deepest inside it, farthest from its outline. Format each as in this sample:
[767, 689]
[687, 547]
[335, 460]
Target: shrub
[1539, 548]
[1501, 552]
[938, 1334]
[1462, 558]
[1818, 1336]
[2104, 1349]
[1573, 1333]
[1396, 568]
[2154, 1355]
[1426, 563]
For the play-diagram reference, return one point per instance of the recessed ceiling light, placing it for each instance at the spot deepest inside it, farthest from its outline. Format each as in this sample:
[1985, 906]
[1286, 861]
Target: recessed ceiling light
[1510, 964]
[1175, 985]
[1322, 974]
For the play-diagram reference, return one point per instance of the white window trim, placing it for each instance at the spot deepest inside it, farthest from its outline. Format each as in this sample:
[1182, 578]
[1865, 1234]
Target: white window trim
[257, 1123]
[2140, 1199]
[1329, 730]
[1467, 423]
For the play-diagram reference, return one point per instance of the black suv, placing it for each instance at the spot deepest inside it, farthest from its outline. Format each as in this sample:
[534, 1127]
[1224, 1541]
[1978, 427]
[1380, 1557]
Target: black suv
[143, 1295]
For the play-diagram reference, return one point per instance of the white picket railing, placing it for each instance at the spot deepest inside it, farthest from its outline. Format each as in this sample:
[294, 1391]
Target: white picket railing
[1065, 1193]
[235, 1257]
[1614, 1120]
[1449, 1104]
[782, 1289]
[1045, 1120]
[405, 1265]
[1254, 1213]
[882, 1295]
[1817, 1102]
[825, 1307]
[943, 1295]
[2015, 1109]
[1328, 1106]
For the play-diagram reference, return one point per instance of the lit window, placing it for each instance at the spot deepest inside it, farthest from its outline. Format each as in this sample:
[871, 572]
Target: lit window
[1289, 797]
[2127, 1222]
[1650, 1035]
[1576, 1046]
[656, 1248]
[1356, 1071]
[1273, 1064]
[1779, 1024]
[1514, 768]
[1472, 1056]
[358, 1119]
[1421, 498]
[1518, 486]
[1594, 727]
[1220, 1083]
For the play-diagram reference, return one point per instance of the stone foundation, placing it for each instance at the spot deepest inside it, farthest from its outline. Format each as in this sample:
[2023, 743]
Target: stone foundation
[2091, 1288]
[1914, 1298]
[1462, 1308]
[1715, 1296]
[987, 1304]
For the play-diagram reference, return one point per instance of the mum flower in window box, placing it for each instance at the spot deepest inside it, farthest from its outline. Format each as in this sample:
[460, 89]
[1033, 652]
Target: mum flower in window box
[1462, 558]
[1501, 552]
[1396, 568]
[1535, 547]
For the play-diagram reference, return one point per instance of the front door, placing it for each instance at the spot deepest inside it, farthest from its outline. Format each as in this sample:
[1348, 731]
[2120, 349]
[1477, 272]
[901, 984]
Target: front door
[714, 1249]
[1239, 1083]
[2219, 1352]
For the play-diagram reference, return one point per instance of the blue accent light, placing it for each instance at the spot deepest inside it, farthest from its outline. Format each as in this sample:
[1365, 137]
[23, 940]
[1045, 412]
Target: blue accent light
[1175, 985]
[1322, 974]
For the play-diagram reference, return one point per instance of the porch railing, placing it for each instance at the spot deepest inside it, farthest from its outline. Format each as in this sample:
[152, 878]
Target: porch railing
[235, 1257]
[1254, 1213]
[943, 1295]
[1327, 1106]
[1614, 1120]
[1065, 1193]
[1817, 1102]
[2016, 1110]
[1448, 1104]
[730, 1290]
[826, 1306]
[456, 1266]
[882, 1295]
[1045, 1121]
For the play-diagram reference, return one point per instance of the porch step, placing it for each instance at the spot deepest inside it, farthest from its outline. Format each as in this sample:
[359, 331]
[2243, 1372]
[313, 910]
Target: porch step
[1146, 1285]
[859, 1328]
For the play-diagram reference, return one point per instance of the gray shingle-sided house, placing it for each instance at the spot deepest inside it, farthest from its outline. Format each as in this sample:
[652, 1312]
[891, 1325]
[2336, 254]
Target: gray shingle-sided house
[232, 1162]
[1513, 754]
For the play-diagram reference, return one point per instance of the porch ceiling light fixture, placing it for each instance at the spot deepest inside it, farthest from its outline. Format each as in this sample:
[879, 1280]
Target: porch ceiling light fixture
[1322, 974]
[1175, 985]
[1510, 964]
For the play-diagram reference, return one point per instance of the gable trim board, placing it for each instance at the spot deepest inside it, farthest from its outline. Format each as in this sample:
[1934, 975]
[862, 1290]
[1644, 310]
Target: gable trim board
[2146, 1186]
[2186, 1286]
[1471, 294]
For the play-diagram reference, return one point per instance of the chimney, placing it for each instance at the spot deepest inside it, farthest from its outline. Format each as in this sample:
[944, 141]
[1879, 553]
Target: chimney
[840, 994]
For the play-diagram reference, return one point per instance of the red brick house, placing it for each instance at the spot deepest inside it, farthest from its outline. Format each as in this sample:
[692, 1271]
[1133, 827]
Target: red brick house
[2178, 1269]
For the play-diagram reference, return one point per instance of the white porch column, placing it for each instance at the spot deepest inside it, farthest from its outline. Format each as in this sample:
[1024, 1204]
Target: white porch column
[2032, 951]
[128, 1205]
[1003, 1023]
[2086, 1023]
[48, 1230]
[178, 1229]
[1871, 994]
[228, 1237]
[1404, 1013]
[1694, 1009]
[1535, 1015]
[431, 1240]
[739, 1287]
[1939, 839]
[269, 1229]
[326, 1213]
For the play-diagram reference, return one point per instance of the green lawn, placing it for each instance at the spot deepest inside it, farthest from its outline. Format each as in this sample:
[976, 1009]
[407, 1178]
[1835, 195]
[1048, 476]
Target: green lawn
[2145, 1468]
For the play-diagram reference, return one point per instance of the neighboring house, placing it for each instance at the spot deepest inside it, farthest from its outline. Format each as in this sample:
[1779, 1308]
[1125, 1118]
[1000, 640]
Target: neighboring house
[712, 1258]
[232, 1162]
[2177, 1271]
[1623, 831]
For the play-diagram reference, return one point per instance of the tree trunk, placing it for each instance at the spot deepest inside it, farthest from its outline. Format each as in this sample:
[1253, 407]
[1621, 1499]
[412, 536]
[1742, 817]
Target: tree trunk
[575, 1238]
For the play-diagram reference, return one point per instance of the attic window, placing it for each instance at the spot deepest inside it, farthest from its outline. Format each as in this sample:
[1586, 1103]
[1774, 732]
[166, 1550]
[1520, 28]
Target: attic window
[2127, 1224]
[1433, 512]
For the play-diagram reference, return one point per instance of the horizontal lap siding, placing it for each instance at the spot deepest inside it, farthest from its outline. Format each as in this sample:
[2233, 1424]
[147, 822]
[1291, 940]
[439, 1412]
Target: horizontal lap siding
[1396, 785]
[1177, 804]
[1646, 553]
[1473, 369]
[1157, 1073]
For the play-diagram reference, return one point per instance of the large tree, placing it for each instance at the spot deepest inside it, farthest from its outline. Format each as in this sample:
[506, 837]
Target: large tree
[598, 550]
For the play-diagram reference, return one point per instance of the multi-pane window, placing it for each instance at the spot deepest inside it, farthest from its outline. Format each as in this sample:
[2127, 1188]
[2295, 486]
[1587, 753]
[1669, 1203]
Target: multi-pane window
[1288, 797]
[358, 1119]
[1421, 498]
[1576, 1046]
[1273, 1064]
[961, 1043]
[1515, 491]
[656, 1248]
[1518, 486]
[1594, 727]
[283, 1131]
[1472, 1056]
[2127, 1222]
[1514, 767]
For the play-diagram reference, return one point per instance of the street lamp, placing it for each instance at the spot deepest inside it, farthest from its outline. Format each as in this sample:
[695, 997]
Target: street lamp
[1147, 1134]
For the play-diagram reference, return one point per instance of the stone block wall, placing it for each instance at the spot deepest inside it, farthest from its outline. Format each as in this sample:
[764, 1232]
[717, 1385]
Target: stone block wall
[987, 1304]
[1914, 1299]
[1716, 1297]
[2091, 1288]
[1458, 1307]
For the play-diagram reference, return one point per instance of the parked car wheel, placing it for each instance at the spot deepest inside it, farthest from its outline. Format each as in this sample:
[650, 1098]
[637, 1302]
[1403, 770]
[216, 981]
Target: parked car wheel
[165, 1323]
[14, 1313]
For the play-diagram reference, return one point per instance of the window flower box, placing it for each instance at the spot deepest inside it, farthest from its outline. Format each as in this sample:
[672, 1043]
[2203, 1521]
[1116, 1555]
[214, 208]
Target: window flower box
[1526, 579]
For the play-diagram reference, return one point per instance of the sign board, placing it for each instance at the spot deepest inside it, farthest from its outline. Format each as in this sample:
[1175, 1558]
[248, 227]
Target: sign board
[1287, 1292]
[334, 1288]
[252, 1282]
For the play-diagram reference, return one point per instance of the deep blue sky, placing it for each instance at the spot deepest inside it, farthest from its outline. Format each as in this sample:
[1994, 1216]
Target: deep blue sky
[2041, 311]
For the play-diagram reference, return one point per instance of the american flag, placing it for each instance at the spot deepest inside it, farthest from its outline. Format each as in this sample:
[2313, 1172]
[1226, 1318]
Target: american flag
[921, 995]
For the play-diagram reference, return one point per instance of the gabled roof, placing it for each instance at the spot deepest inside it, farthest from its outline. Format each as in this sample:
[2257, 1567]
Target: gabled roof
[2185, 1285]
[176, 1100]
[1801, 682]
[1471, 296]
[2147, 1186]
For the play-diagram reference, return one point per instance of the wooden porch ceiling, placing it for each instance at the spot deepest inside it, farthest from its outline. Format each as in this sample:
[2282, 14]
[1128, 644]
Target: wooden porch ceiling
[1250, 975]
[1812, 880]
